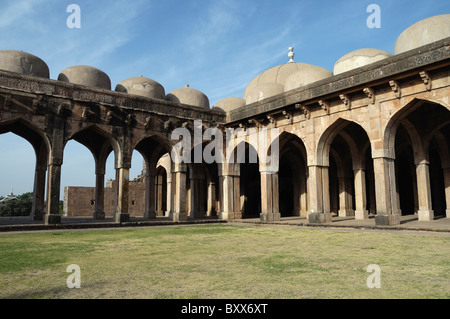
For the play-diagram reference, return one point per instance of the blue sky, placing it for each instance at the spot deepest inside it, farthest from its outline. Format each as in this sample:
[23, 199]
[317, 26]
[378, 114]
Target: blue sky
[217, 47]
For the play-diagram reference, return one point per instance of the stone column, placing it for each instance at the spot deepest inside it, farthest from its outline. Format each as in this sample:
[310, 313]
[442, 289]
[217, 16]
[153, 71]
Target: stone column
[446, 171]
[211, 210]
[123, 182]
[159, 195]
[230, 186]
[52, 215]
[169, 194]
[37, 210]
[385, 191]
[178, 212]
[99, 212]
[345, 197]
[360, 194]
[424, 191]
[319, 196]
[269, 196]
[150, 195]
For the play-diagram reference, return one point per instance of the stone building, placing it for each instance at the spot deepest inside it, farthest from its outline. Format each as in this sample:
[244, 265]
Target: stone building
[370, 138]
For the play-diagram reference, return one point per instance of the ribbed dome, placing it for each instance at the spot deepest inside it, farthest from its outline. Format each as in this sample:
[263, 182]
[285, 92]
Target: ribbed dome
[423, 32]
[228, 104]
[85, 75]
[23, 63]
[189, 96]
[142, 86]
[359, 58]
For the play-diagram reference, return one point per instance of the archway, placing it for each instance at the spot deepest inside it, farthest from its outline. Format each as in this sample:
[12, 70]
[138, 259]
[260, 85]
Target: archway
[85, 201]
[38, 141]
[292, 176]
[420, 172]
[345, 165]
[152, 149]
[247, 158]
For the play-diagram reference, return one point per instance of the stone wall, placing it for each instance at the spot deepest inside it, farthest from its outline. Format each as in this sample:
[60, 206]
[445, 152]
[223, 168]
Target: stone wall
[80, 201]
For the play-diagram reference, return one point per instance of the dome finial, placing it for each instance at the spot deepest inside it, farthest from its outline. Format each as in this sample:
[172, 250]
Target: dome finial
[291, 54]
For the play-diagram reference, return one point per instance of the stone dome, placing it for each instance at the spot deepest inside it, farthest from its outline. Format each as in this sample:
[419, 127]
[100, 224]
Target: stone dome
[423, 32]
[189, 96]
[86, 75]
[263, 91]
[142, 86]
[359, 58]
[23, 63]
[273, 80]
[307, 75]
[228, 104]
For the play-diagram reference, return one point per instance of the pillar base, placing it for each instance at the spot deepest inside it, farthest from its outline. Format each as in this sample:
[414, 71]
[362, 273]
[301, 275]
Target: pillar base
[269, 217]
[319, 218]
[121, 217]
[151, 215]
[52, 219]
[178, 217]
[346, 213]
[425, 215]
[99, 215]
[361, 214]
[37, 215]
[230, 215]
[387, 220]
[447, 213]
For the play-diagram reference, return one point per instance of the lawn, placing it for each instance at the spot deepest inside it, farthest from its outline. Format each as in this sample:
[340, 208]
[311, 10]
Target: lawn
[224, 261]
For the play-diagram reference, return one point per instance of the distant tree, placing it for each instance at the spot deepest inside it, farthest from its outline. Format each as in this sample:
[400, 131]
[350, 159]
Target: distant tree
[19, 207]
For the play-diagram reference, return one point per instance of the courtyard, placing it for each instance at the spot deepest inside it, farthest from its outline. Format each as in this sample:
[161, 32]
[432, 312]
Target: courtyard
[235, 260]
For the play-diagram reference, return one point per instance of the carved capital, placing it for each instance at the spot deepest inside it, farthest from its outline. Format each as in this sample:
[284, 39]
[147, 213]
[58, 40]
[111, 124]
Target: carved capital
[243, 126]
[168, 125]
[62, 109]
[370, 94]
[396, 88]
[325, 105]
[7, 102]
[346, 100]
[272, 120]
[288, 116]
[86, 113]
[257, 122]
[148, 121]
[306, 111]
[426, 79]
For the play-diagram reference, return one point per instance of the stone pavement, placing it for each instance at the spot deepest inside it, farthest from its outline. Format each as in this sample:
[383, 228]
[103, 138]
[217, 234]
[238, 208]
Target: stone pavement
[408, 222]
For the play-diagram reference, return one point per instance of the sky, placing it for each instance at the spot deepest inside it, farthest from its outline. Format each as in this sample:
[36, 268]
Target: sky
[215, 46]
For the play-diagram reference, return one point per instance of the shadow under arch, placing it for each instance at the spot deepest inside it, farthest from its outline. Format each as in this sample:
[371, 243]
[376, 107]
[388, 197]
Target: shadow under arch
[419, 169]
[292, 174]
[152, 148]
[344, 185]
[245, 160]
[42, 148]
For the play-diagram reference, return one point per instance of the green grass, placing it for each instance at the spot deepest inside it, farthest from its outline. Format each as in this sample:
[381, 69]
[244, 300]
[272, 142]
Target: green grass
[224, 261]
